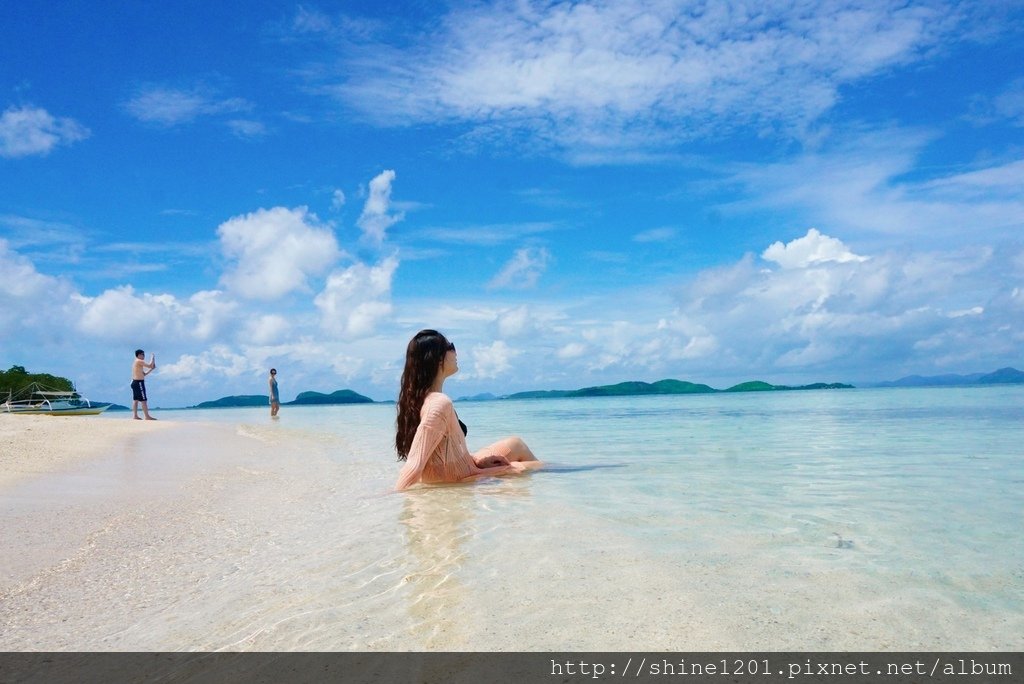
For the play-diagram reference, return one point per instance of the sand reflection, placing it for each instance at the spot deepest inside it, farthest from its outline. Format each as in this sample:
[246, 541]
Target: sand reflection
[438, 523]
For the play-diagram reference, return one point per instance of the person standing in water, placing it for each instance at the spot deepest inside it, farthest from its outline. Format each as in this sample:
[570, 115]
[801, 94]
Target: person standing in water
[430, 437]
[140, 369]
[275, 398]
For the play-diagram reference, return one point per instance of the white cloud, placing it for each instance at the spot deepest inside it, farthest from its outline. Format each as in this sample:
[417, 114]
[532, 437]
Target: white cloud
[572, 350]
[488, 234]
[523, 270]
[493, 360]
[275, 251]
[356, 299]
[820, 311]
[813, 248]
[267, 329]
[174, 106]
[655, 235]
[213, 313]
[217, 361]
[631, 74]
[1010, 103]
[375, 219]
[121, 315]
[29, 130]
[337, 200]
[247, 128]
[860, 185]
[515, 322]
[33, 302]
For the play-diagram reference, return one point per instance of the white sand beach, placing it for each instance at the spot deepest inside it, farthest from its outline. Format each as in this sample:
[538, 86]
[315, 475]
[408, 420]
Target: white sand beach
[111, 526]
[31, 445]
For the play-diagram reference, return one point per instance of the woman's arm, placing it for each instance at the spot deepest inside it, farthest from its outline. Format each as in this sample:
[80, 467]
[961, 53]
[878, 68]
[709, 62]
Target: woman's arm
[489, 472]
[490, 461]
[432, 429]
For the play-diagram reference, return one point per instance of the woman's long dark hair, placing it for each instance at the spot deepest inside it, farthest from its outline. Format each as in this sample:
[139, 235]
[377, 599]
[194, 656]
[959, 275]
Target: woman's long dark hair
[423, 358]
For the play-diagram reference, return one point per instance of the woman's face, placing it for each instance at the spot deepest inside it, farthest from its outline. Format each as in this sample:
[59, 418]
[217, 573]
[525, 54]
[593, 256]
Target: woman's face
[451, 361]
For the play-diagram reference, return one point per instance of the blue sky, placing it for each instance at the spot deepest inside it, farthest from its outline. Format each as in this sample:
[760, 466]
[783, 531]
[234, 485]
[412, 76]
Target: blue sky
[576, 193]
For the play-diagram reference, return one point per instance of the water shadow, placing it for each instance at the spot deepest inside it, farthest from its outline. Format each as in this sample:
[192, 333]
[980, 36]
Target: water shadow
[438, 521]
[560, 469]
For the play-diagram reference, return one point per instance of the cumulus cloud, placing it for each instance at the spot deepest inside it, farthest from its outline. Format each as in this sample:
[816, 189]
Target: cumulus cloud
[572, 350]
[813, 248]
[823, 308]
[376, 219]
[611, 75]
[523, 270]
[121, 315]
[272, 252]
[29, 130]
[356, 299]
[818, 312]
[493, 360]
[515, 322]
[33, 301]
[267, 329]
[174, 106]
[218, 361]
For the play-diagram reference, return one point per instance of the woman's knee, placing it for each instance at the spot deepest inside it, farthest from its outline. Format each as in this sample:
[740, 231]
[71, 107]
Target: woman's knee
[519, 451]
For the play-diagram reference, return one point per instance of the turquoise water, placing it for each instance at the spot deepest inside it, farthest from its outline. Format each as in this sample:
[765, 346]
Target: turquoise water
[875, 518]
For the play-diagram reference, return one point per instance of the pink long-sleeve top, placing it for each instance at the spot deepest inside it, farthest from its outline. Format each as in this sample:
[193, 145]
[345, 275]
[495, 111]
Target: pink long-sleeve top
[438, 452]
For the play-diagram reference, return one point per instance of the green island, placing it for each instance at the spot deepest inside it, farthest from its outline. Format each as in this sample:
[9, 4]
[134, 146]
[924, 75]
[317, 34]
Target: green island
[16, 379]
[637, 388]
[343, 396]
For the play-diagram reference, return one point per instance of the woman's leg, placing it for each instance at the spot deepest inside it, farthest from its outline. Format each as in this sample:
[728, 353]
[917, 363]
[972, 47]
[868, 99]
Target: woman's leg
[512, 449]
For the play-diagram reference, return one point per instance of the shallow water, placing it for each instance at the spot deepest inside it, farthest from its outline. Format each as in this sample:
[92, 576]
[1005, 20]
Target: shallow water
[843, 520]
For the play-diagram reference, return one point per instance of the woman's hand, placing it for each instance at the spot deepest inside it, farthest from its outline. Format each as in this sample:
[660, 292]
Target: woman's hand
[492, 461]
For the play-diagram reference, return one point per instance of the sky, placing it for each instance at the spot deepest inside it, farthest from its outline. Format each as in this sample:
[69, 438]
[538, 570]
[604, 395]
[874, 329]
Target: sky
[575, 193]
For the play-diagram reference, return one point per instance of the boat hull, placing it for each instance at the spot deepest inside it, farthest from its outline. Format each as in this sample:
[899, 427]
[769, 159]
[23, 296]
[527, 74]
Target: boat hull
[56, 411]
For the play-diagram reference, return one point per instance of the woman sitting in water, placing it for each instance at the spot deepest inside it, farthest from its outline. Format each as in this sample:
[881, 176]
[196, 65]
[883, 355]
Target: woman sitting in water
[431, 439]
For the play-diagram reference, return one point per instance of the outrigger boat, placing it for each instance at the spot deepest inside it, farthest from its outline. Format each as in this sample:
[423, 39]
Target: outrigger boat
[49, 403]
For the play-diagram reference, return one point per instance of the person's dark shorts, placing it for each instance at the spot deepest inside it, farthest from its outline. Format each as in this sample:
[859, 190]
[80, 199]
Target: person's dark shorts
[139, 390]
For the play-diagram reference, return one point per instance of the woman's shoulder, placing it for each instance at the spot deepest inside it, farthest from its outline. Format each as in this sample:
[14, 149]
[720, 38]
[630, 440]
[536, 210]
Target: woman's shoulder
[437, 400]
[437, 407]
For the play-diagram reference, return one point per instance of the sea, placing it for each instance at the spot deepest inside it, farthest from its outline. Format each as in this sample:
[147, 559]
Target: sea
[855, 519]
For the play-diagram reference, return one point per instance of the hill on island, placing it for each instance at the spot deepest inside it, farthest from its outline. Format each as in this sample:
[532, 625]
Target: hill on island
[303, 399]
[339, 397]
[637, 388]
[1003, 376]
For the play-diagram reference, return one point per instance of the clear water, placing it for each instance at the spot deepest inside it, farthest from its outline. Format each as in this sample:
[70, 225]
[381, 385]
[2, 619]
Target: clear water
[855, 519]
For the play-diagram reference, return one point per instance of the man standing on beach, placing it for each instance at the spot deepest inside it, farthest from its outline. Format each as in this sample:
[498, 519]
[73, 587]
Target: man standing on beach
[139, 374]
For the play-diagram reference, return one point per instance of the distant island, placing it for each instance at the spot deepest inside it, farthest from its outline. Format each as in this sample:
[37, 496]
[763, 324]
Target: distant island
[1003, 376]
[16, 378]
[303, 399]
[636, 388]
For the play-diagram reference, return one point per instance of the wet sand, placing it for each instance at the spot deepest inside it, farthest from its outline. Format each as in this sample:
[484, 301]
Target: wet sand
[34, 445]
[113, 529]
